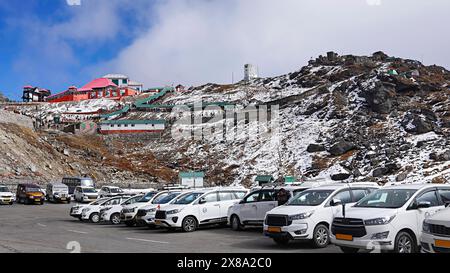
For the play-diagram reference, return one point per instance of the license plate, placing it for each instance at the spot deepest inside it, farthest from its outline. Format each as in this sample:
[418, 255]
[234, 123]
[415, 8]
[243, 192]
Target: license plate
[63, 199]
[37, 200]
[442, 243]
[158, 222]
[274, 229]
[344, 237]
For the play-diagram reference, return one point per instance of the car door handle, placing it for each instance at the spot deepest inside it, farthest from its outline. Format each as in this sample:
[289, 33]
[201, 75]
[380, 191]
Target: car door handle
[217, 205]
[254, 206]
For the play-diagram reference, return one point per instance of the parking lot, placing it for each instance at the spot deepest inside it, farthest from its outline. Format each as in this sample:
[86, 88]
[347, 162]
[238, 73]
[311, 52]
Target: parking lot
[50, 229]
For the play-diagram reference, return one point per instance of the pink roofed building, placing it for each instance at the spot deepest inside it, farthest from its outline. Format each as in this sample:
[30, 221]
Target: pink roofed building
[96, 89]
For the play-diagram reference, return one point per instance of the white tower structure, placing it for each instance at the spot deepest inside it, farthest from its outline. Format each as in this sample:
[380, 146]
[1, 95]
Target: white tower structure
[250, 72]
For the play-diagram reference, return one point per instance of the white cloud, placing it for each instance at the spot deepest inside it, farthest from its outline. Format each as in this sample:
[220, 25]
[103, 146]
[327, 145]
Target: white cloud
[199, 41]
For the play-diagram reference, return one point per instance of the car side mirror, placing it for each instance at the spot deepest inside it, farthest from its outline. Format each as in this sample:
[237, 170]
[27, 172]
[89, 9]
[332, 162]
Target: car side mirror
[202, 201]
[336, 202]
[423, 205]
[242, 202]
[447, 204]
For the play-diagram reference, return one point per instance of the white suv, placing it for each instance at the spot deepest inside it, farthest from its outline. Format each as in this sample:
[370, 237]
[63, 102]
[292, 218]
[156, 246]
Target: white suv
[389, 219]
[112, 213]
[85, 194]
[252, 209]
[436, 231]
[77, 210]
[200, 207]
[6, 196]
[146, 214]
[128, 212]
[308, 216]
[92, 212]
[110, 191]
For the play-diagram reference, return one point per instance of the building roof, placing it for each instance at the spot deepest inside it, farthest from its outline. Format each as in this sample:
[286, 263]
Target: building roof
[27, 86]
[125, 121]
[97, 83]
[264, 178]
[192, 174]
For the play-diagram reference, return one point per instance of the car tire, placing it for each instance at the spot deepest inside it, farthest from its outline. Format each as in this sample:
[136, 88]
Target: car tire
[321, 236]
[11, 203]
[94, 217]
[349, 250]
[189, 224]
[235, 223]
[282, 241]
[130, 223]
[405, 243]
[115, 218]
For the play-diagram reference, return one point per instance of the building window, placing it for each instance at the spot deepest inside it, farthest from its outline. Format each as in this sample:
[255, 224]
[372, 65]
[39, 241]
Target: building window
[132, 125]
[126, 125]
[119, 125]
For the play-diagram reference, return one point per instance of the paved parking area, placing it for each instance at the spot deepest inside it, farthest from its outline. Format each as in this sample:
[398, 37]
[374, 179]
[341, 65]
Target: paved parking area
[49, 228]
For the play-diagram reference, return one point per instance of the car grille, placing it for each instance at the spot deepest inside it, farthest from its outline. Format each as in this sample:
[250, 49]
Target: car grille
[141, 213]
[439, 230]
[160, 214]
[348, 226]
[278, 220]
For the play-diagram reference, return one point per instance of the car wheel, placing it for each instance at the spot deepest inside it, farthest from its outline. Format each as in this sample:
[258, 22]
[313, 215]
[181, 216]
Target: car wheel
[129, 223]
[94, 218]
[235, 223]
[11, 203]
[321, 236]
[404, 243]
[282, 241]
[349, 250]
[189, 224]
[115, 219]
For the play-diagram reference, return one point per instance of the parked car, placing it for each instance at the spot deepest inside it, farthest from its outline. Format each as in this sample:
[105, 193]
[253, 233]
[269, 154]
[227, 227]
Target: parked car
[92, 212]
[85, 194]
[77, 210]
[112, 213]
[6, 196]
[128, 212]
[308, 216]
[200, 207]
[110, 191]
[74, 182]
[58, 192]
[30, 194]
[390, 219]
[146, 214]
[252, 209]
[436, 231]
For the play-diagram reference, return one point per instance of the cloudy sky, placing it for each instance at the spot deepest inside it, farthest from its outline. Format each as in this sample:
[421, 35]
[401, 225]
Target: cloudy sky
[52, 44]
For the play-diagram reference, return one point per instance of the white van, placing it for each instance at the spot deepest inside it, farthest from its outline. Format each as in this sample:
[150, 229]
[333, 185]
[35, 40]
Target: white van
[308, 216]
[389, 219]
[436, 231]
[252, 209]
[200, 207]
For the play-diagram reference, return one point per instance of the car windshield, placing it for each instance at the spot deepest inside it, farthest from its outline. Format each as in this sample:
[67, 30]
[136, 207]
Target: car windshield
[116, 190]
[167, 198]
[147, 197]
[33, 189]
[132, 200]
[386, 198]
[89, 190]
[310, 198]
[189, 198]
[4, 189]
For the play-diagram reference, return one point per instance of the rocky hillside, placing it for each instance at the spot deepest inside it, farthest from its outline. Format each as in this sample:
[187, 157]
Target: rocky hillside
[3, 98]
[351, 118]
[376, 118]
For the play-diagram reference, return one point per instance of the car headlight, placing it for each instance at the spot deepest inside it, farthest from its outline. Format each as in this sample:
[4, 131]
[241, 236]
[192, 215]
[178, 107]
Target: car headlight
[379, 221]
[175, 211]
[301, 216]
[426, 227]
[85, 210]
[150, 210]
